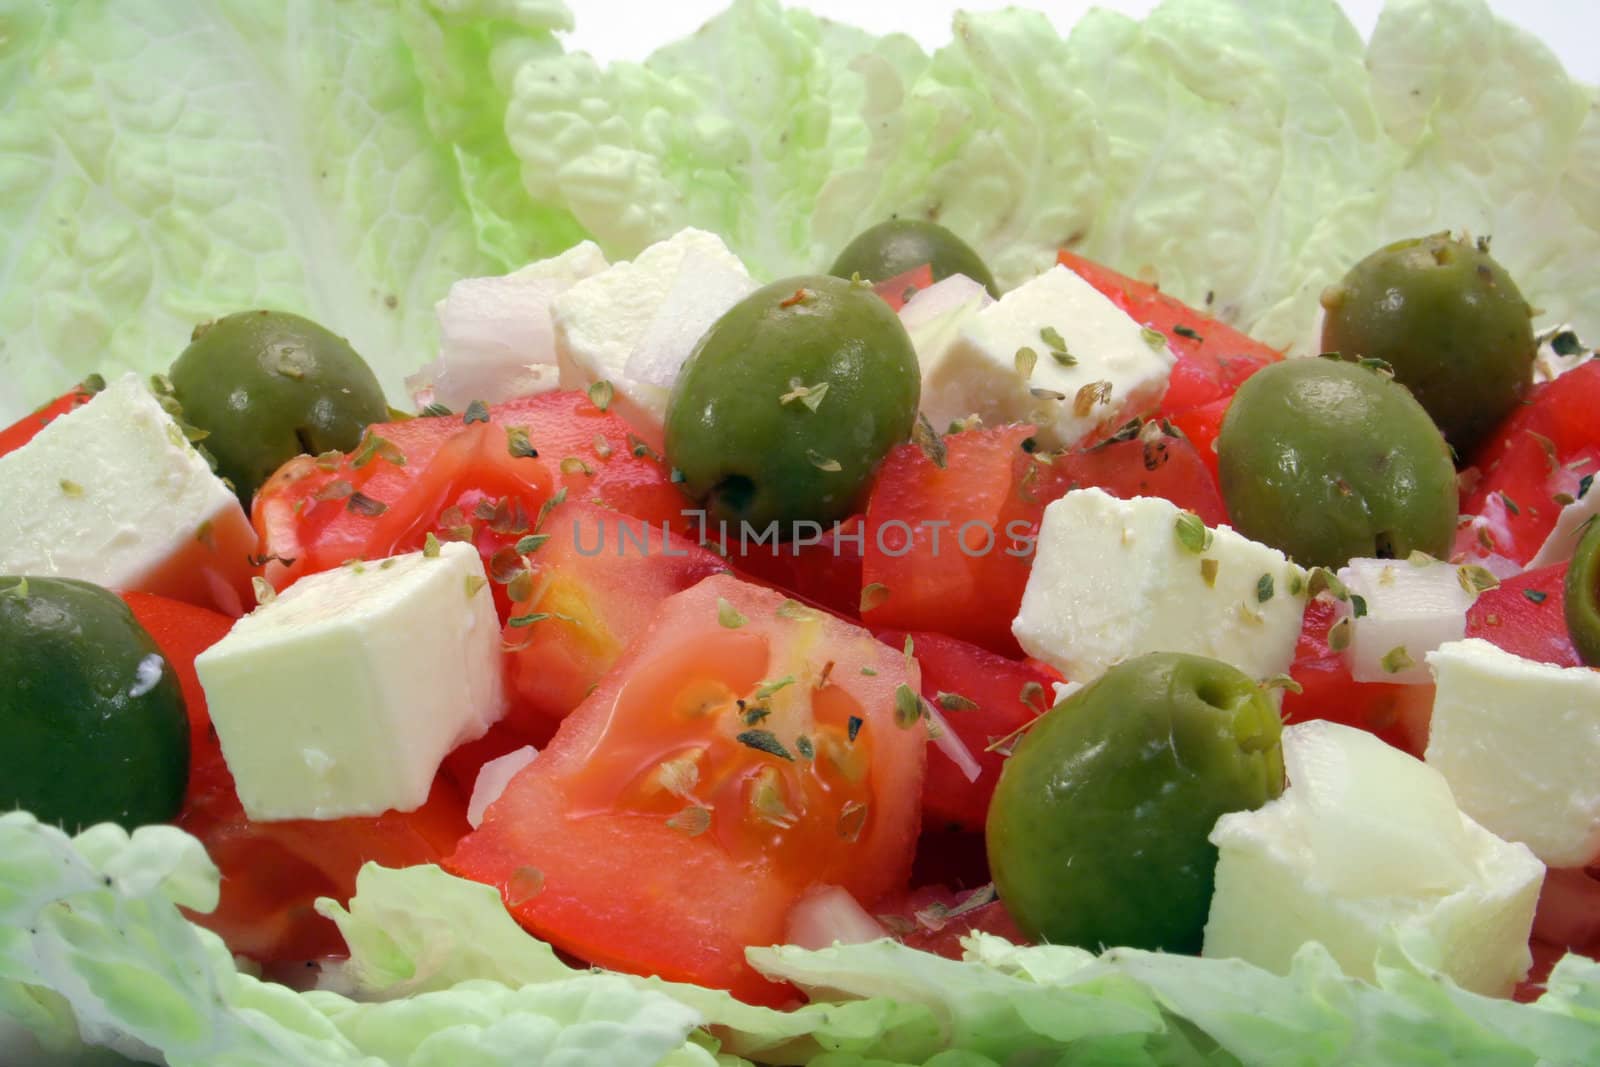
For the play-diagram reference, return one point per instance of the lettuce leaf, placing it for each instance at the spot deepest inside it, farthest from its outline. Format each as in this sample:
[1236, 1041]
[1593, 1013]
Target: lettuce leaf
[166, 161]
[95, 950]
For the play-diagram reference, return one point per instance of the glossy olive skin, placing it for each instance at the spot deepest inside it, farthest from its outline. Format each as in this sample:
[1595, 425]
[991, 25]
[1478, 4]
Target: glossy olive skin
[750, 456]
[1328, 460]
[268, 386]
[1582, 593]
[894, 247]
[1451, 323]
[1097, 834]
[83, 738]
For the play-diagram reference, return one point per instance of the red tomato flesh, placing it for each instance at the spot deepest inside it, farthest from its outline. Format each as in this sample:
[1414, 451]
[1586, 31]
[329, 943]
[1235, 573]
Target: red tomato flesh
[24, 429]
[272, 873]
[949, 548]
[1213, 358]
[1007, 695]
[597, 582]
[658, 834]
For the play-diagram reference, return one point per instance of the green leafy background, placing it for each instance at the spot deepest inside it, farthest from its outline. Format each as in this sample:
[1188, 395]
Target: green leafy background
[166, 161]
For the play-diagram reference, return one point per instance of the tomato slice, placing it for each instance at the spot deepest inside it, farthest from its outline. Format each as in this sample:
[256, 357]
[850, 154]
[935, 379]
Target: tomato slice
[948, 548]
[24, 429]
[272, 873]
[1213, 357]
[983, 698]
[1546, 453]
[743, 750]
[1526, 616]
[458, 480]
[1153, 464]
[898, 291]
[594, 586]
[1202, 425]
[825, 571]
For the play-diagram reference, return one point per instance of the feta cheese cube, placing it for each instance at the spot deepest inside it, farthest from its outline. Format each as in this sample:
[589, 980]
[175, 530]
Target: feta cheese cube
[112, 493]
[1519, 742]
[1411, 608]
[342, 695]
[1366, 849]
[656, 300]
[496, 340]
[1113, 579]
[1108, 371]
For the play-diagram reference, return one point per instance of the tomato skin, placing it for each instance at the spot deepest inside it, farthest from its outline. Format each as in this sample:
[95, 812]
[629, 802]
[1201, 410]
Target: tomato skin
[826, 571]
[1213, 358]
[918, 919]
[453, 476]
[931, 581]
[272, 873]
[24, 429]
[1526, 616]
[996, 684]
[1202, 425]
[898, 291]
[599, 578]
[1160, 466]
[1546, 447]
[580, 843]
[1396, 713]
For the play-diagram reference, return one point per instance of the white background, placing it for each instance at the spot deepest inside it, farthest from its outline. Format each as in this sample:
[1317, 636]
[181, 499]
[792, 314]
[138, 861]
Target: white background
[631, 29]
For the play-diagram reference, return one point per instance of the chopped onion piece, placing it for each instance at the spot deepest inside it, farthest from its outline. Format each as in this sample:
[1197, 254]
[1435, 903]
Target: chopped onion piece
[828, 915]
[956, 293]
[493, 777]
[950, 743]
[1411, 608]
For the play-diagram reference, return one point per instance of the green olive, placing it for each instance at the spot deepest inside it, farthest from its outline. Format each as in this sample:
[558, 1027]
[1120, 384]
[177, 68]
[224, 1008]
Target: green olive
[1097, 833]
[267, 386]
[92, 720]
[1328, 460]
[1582, 593]
[1451, 323]
[894, 247]
[788, 403]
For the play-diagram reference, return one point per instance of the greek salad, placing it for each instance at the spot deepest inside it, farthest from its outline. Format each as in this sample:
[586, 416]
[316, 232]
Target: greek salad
[891, 660]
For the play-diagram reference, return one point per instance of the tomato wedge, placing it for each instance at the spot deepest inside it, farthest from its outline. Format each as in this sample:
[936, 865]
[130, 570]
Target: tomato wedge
[593, 587]
[483, 477]
[983, 699]
[24, 429]
[948, 548]
[745, 749]
[1213, 357]
[1544, 455]
[273, 873]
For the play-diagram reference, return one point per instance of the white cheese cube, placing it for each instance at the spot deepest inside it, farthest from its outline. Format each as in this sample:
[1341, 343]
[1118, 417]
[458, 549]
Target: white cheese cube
[111, 493]
[1111, 579]
[600, 322]
[1519, 742]
[1412, 607]
[1110, 371]
[496, 340]
[342, 695]
[1364, 849]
